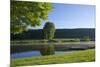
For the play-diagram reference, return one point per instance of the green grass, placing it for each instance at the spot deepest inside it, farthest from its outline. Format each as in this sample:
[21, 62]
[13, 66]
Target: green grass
[79, 56]
[44, 41]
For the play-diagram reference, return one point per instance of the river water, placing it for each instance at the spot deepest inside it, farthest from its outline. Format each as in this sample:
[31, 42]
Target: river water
[34, 53]
[37, 53]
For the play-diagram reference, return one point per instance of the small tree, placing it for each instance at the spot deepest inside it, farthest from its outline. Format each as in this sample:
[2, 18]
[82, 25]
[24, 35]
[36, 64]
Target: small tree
[48, 31]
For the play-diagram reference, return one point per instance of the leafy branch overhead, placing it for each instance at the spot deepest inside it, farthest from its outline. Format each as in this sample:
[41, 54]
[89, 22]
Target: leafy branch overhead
[24, 14]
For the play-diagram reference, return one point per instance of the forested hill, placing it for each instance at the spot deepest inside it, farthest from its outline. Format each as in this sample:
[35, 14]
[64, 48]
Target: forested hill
[60, 33]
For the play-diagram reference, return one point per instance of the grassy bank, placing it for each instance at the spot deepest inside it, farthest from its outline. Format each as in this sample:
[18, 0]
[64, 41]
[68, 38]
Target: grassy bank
[79, 56]
[58, 46]
[39, 41]
[44, 41]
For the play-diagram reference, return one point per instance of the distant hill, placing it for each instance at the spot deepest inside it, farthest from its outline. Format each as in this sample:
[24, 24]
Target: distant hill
[60, 33]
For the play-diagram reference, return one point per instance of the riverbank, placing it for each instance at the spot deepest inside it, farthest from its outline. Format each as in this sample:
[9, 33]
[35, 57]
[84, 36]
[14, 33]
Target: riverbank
[22, 47]
[78, 56]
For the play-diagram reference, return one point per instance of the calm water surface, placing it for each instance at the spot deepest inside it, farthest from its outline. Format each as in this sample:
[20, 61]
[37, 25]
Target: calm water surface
[37, 53]
[34, 53]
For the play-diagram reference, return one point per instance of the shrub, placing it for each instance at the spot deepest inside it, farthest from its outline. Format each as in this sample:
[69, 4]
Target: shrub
[86, 38]
[71, 40]
[53, 40]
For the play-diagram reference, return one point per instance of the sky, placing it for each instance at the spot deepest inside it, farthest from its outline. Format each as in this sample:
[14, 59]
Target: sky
[66, 16]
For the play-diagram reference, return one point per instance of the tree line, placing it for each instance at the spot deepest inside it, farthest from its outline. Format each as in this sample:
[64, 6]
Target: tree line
[59, 33]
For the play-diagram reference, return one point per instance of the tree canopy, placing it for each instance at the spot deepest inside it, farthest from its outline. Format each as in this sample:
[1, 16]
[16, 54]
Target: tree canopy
[48, 30]
[24, 14]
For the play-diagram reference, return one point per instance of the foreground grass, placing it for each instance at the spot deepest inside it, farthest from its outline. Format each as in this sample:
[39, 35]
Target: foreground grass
[79, 56]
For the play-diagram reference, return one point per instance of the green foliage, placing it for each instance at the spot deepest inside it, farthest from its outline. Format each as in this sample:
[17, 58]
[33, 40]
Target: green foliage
[79, 56]
[47, 50]
[53, 41]
[86, 38]
[59, 34]
[70, 40]
[24, 14]
[48, 31]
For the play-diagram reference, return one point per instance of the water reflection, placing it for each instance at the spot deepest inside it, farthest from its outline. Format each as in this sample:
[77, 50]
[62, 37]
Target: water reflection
[34, 53]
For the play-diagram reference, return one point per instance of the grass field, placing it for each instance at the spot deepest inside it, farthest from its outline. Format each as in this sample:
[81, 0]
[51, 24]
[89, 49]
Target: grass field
[79, 56]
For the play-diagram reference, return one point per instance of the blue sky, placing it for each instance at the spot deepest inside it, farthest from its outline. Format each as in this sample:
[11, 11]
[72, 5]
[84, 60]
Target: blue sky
[72, 16]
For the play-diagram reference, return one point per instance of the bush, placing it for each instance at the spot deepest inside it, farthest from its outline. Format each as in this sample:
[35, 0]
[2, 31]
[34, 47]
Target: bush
[71, 40]
[53, 41]
[86, 38]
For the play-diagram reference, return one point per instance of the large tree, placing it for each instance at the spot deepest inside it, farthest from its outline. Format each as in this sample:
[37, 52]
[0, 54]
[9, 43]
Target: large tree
[24, 14]
[48, 30]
